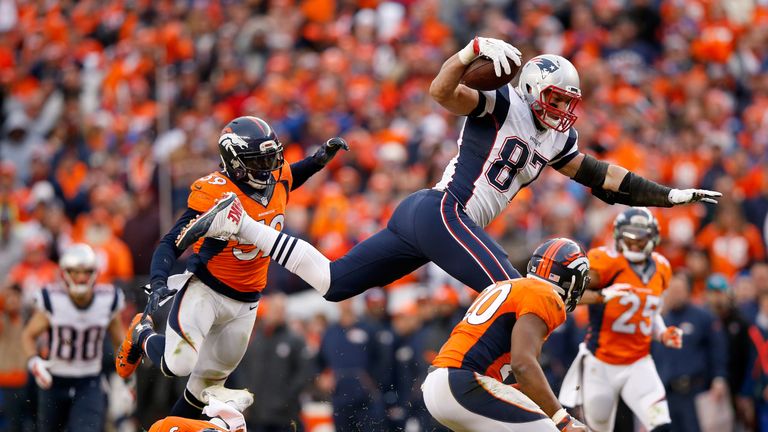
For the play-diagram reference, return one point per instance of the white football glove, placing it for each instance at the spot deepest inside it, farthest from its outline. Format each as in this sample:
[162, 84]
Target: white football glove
[614, 291]
[685, 196]
[498, 51]
[39, 369]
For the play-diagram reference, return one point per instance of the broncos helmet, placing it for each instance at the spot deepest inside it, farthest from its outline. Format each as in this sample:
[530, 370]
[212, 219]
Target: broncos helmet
[562, 263]
[250, 151]
[546, 79]
[636, 224]
[79, 258]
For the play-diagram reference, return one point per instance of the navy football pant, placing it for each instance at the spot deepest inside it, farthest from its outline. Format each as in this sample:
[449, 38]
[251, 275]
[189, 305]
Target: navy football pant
[72, 404]
[429, 225]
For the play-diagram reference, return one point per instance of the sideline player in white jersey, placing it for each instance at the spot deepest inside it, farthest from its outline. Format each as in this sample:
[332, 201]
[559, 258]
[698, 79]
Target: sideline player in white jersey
[510, 135]
[77, 312]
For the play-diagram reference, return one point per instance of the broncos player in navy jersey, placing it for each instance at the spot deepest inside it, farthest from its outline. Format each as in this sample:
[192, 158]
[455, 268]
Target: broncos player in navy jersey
[510, 135]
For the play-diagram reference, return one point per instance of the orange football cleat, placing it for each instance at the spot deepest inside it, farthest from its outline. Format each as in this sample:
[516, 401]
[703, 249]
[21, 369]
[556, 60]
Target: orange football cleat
[129, 354]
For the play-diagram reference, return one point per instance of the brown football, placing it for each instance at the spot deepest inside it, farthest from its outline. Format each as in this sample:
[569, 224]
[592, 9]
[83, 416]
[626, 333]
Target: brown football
[479, 75]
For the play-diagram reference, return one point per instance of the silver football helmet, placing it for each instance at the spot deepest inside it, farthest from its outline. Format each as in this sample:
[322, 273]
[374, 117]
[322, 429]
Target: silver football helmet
[79, 257]
[639, 226]
[546, 81]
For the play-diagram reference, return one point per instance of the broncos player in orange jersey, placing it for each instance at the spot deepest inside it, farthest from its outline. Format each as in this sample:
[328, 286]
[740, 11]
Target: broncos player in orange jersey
[502, 332]
[614, 361]
[215, 303]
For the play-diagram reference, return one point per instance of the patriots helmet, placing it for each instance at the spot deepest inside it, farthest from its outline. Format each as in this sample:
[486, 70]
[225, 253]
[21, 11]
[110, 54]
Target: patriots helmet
[250, 151]
[636, 234]
[562, 263]
[546, 81]
[79, 268]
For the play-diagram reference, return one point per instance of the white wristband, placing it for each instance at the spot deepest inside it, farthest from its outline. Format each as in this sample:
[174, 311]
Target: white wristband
[469, 52]
[559, 415]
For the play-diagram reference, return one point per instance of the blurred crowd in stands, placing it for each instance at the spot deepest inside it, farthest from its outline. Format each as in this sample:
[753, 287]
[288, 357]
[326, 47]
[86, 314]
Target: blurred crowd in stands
[110, 109]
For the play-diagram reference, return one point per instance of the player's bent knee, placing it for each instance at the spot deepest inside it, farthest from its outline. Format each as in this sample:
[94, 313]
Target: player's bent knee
[662, 428]
[332, 296]
[339, 292]
[165, 369]
[178, 365]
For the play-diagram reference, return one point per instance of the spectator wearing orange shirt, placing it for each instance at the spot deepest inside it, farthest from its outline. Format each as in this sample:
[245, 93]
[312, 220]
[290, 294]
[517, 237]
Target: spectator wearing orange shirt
[35, 270]
[732, 242]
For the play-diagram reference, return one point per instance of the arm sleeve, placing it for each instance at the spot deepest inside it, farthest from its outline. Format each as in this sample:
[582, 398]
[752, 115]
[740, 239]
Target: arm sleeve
[636, 191]
[166, 252]
[303, 170]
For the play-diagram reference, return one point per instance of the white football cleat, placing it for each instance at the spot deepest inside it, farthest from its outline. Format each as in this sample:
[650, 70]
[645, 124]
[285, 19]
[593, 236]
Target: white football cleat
[239, 399]
[221, 221]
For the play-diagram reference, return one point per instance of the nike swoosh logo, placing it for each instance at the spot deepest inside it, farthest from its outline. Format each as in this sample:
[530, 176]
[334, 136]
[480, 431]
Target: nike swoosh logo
[253, 307]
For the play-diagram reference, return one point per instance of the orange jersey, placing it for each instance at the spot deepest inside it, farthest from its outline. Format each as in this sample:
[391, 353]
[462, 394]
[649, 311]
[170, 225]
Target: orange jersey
[240, 267]
[481, 342]
[620, 330]
[179, 424]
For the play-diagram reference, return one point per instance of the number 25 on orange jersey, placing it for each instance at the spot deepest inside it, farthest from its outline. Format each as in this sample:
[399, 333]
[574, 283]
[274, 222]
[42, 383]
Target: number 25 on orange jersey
[634, 301]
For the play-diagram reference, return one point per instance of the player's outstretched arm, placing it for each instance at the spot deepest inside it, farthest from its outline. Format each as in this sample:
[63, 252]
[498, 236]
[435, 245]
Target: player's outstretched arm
[616, 185]
[309, 166]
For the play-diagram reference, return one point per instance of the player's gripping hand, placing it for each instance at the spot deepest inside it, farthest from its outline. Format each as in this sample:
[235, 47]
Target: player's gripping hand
[615, 291]
[498, 51]
[672, 337]
[39, 369]
[685, 196]
[159, 293]
[567, 423]
[328, 150]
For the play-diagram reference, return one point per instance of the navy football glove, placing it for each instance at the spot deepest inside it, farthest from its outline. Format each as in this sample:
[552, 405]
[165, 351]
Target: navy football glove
[328, 150]
[159, 294]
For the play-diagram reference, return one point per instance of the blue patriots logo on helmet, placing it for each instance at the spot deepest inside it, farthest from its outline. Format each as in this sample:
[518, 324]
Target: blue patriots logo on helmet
[546, 66]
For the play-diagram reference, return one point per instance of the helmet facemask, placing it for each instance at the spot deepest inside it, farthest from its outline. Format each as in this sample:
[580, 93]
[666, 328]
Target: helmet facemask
[635, 243]
[79, 267]
[79, 280]
[257, 168]
[636, 233]
[547, 111]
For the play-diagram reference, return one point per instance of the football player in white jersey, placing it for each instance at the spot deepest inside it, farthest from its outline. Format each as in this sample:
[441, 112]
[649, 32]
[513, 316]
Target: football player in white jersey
[77, 312]
[510, 135]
